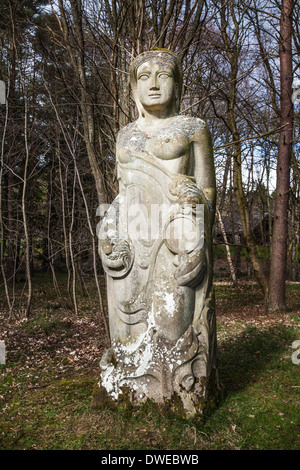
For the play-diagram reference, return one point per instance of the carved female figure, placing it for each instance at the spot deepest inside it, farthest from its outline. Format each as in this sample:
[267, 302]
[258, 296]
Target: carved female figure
[156, 248]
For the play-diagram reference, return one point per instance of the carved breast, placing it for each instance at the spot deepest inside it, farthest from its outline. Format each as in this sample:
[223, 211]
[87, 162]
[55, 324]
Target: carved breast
[167, 143]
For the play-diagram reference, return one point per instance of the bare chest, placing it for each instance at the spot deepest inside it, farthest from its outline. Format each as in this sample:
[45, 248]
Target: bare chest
[167, 144]
[170, 145]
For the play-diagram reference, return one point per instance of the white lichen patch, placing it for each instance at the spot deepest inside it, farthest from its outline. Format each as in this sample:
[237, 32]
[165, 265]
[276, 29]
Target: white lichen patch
[132, 361]
[165, 301]
[170, 304]
[107, 382]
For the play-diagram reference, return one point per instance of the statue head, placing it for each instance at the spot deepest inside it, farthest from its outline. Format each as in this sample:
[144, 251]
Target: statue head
[158, 70]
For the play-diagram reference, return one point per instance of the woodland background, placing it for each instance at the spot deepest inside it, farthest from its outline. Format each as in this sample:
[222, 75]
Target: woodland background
[65, 66]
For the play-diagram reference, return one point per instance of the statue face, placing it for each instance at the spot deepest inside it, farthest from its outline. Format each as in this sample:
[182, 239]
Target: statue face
[156, 87]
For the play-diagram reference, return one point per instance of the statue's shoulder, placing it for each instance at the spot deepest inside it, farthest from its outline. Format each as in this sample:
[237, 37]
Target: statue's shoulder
[126, 130]
[125, 133]
[191, 124]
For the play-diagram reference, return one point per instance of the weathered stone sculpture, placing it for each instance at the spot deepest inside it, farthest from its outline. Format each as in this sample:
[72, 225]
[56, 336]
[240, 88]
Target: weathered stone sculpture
[155, 243]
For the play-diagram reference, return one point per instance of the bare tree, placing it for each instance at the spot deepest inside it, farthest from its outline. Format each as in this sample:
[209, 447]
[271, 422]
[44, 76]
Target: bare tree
[71, 24]
[276, 299]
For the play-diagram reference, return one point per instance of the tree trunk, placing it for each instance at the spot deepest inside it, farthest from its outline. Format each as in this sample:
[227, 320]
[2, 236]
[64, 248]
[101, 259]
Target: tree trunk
[276, 299]
[2, 237]
[228, 254]
[11, 226]
[232, 51]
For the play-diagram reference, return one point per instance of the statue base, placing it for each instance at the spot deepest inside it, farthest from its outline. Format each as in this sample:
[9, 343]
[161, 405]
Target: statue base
[179, 376]
[195, 403]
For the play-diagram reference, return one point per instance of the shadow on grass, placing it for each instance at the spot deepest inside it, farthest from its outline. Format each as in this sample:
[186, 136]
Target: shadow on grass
[242, 359]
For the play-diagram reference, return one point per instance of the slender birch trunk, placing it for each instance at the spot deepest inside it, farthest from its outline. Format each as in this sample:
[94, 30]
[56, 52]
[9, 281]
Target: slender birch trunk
[74, 296]
[24, 213]
[228, 254]
[63, 206]
[3, 273]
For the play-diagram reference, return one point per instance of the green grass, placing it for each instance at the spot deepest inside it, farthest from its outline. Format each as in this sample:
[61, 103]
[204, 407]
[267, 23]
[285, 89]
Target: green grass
[52, 366]
[262, 387]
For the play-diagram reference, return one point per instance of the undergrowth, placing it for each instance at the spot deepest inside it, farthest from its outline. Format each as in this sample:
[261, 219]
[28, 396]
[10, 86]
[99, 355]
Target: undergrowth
[53, 364]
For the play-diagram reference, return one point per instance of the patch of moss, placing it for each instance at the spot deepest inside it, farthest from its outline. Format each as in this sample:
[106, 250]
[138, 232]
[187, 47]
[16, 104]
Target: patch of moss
[101, 399]
[173, 406]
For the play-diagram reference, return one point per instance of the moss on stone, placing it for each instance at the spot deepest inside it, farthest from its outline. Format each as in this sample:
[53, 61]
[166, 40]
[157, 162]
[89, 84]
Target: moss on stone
[173, 405]
[101, 399]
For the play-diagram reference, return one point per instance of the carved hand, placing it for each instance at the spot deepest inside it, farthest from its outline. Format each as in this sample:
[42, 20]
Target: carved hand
[187, 191]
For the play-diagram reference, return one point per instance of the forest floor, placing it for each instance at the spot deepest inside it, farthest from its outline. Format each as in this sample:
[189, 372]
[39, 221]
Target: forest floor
[52, 367]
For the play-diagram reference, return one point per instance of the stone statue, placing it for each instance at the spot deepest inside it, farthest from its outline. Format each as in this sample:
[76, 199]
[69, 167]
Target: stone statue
[155, 243]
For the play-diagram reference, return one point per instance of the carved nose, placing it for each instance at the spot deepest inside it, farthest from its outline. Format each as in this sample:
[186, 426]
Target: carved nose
[154, 83]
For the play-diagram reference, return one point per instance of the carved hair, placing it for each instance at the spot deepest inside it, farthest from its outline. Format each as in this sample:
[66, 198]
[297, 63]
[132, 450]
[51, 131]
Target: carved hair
[165, 56]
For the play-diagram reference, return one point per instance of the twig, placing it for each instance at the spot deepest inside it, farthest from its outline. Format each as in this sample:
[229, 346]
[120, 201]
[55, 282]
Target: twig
[40, 386]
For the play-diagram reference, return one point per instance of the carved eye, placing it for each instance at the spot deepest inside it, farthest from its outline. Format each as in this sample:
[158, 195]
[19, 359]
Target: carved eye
[164, 75]
[143, 76]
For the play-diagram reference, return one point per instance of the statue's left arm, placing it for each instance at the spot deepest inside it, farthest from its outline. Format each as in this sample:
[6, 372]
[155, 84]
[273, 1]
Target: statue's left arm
[203, 166]
[194, 265]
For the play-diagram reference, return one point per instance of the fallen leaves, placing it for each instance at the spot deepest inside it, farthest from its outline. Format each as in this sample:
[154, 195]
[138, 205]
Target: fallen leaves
[58, 347]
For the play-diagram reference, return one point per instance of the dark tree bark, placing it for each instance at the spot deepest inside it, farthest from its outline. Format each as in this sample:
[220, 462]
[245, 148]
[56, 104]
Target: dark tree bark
[277, 300]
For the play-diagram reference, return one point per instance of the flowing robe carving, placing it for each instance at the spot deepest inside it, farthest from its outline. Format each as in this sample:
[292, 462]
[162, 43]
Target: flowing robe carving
[156, 250]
